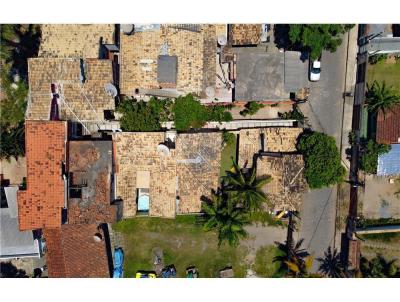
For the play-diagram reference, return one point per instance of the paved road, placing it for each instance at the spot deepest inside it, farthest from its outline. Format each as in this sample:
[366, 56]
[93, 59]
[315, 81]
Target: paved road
[317, 225]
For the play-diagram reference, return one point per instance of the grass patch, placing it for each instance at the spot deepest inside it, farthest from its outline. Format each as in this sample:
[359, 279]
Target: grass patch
[264, 218]
[183, 242]
[390, 73]
[227, 153]
[382, 237]
[264, 265]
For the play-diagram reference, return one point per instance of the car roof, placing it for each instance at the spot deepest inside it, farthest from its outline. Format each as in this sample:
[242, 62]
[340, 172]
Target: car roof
[317, 64]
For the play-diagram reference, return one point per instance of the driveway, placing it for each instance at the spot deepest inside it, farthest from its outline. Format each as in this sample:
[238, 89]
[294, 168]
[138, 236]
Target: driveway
[325, 110]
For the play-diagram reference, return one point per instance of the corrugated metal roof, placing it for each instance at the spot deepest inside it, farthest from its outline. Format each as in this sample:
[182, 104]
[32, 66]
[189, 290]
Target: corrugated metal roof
[389, 163]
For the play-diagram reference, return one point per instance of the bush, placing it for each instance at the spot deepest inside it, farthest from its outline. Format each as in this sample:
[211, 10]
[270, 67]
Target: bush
[142, 116]
[322, 160]
[12, 142]
[294, 114]
[251, 108]
[228, 138]
[189, 113]
[219, 113]
[369, 160]
[377, 58]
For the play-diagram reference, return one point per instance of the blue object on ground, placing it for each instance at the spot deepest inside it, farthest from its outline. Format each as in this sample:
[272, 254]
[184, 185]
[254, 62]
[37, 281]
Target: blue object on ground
[118, 263]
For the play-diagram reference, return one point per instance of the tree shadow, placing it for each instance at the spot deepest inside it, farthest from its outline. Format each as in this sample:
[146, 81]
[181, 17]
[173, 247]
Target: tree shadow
[9, 270]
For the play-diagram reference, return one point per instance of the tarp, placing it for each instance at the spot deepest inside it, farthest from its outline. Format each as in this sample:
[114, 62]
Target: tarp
[389, 163]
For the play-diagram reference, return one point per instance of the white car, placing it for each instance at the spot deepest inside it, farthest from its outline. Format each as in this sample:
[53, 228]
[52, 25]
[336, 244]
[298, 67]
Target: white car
[315, 71]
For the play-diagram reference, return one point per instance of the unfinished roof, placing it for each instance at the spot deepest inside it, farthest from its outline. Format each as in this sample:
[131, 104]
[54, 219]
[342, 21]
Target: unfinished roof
[190, 171]
[288, 182]
[80, 84]
[388, 127]
[259, 76]
[195, 52]
[90, 170]
[13, 242]
[73, 252]
[74, 40]
[40, 205]
[244, 34]
[279, 139]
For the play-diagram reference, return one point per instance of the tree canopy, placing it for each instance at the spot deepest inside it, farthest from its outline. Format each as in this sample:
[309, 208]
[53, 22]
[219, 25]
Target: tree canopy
[317, 37]
[322, 160]
[381, 97]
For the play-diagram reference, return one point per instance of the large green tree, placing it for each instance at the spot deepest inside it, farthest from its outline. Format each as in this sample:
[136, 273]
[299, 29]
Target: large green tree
[317, 37]
[381, 97]
[322, 159]
[245, 188]
[223, 215]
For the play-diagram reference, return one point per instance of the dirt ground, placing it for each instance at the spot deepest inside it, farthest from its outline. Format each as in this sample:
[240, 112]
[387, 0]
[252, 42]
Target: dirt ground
[379, 200]
[13, 170]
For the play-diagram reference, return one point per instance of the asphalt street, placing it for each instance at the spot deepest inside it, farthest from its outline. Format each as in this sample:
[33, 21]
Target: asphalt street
[317, 225]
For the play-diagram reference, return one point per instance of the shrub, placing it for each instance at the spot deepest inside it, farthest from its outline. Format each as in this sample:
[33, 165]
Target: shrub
[142, 116]
[369, 160]
[189, 113]
[294, 114]
[251, 108]
[219, 113]
[377, 58]
[228, 138]
[322, 159]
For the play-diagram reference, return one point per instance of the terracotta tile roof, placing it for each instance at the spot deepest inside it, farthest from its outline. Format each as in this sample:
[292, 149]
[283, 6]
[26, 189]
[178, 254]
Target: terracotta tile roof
[195, 51]
[190, 171]
[72, 252]
[90, 169]
[388, 128]
[288, 182]
[87, 99]
[276, 139]
[244, 34]
[74, 40]
[40, 205]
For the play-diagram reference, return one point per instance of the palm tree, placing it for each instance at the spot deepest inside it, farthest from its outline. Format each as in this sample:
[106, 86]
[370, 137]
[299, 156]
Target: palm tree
[225, 217]
[381, 97]
[300, 268]
[291, 253]
[331, 264]
[245, 189]
[379, 267]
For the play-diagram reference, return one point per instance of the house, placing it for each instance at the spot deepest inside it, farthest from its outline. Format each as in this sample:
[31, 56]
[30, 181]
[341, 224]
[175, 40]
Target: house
[78, 251]
[75, 40]
[265, 76]
[91, 182]
[272, 152]
[383, 38]
[244, 34]
[13, 242]
[388, 126]
[164, 173]
[41, 204]
[69, 89]
[168, 60]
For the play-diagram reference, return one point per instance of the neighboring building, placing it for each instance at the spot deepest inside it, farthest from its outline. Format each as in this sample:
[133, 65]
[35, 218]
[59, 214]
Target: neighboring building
[164, 174]
[272, 151]
[75, 40]
[388, 126]
[168, 60]
[78, 88]
[90, 182]
[263, 76]
[78, 251]
[41, 204]
[389, 163]
[13, 242]
[384, 38]
[244, 34]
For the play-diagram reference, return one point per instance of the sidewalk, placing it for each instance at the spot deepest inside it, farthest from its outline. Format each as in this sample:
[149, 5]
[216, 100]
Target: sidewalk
[350, 81]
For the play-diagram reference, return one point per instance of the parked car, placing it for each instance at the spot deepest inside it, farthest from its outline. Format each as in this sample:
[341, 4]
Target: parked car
[118, 263]
[142, 274]
[315, 70]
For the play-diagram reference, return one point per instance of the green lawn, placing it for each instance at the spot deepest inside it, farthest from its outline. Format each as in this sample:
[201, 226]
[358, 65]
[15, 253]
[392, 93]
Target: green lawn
[264, 265]
[383, 237]
[227, 153]
[390, 73]
[183, 243]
